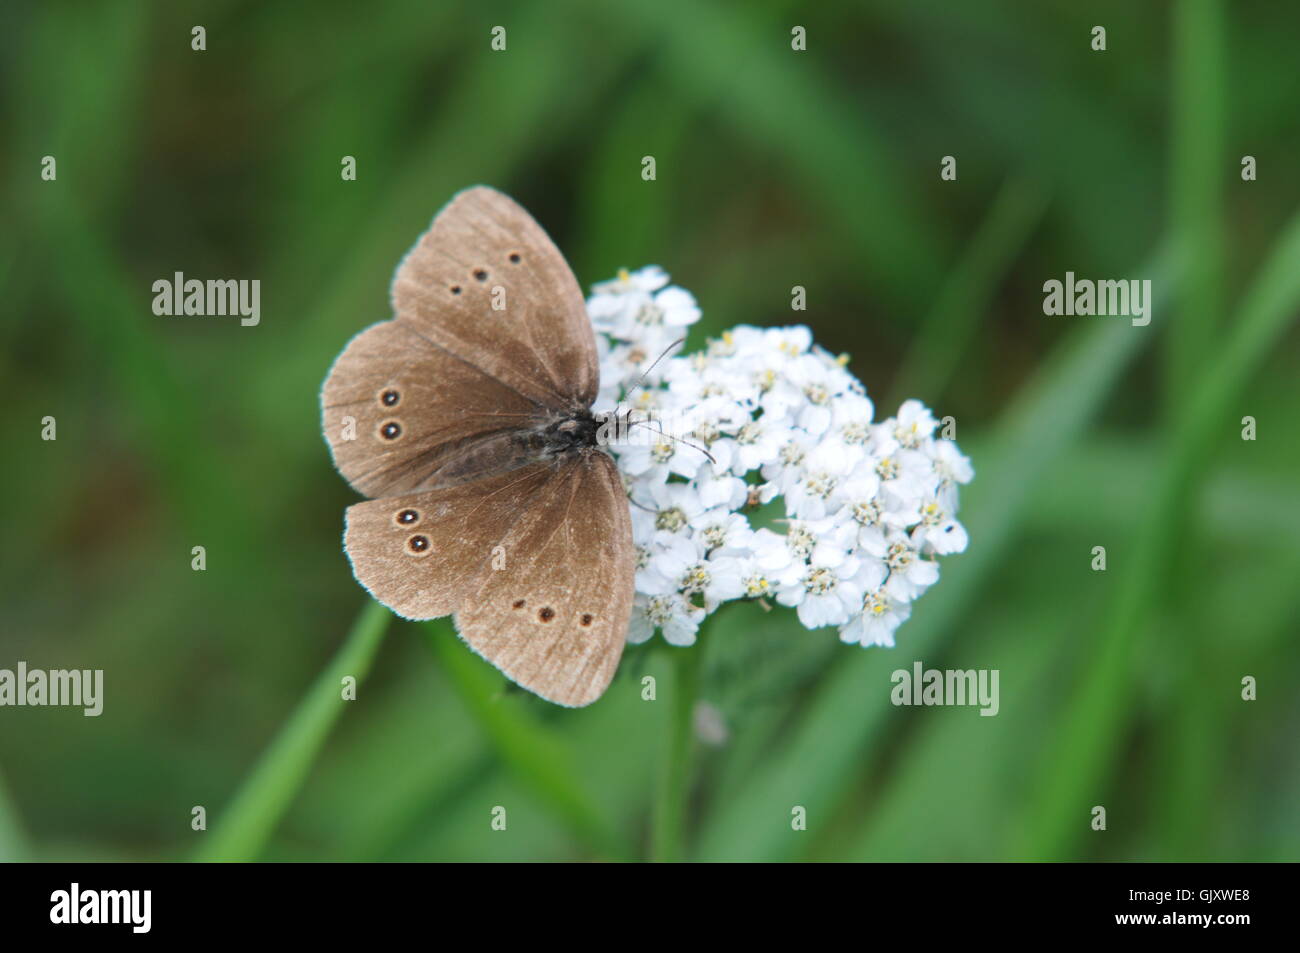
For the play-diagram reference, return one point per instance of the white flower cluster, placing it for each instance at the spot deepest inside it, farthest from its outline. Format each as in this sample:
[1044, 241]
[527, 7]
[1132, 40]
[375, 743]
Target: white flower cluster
[868, 506]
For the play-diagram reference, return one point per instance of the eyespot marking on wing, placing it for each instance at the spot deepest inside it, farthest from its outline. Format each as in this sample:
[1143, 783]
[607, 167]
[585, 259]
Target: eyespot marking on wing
[520, 603]
[586, 619]
[390, 430]
[480, 274]
[546, 614]
[417, 545]
[390, 397]
[406, 517]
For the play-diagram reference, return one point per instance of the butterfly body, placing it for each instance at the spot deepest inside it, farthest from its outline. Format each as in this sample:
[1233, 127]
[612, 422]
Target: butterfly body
[550, 439]
[470, 426]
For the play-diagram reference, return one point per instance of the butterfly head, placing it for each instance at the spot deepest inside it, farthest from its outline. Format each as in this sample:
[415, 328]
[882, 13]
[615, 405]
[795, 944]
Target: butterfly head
[577, 431]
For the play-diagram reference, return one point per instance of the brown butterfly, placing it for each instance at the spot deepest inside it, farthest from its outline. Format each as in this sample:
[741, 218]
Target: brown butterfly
[467, 420]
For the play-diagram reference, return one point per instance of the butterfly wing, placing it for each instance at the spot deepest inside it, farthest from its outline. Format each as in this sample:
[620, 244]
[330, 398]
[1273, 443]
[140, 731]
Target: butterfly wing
[396, 409]
[553, 617]
[466, 358]
[423, 554]
[485, 283]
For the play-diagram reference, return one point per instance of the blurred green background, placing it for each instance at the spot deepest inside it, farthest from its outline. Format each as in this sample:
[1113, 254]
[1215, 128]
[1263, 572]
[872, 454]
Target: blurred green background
[775, 168]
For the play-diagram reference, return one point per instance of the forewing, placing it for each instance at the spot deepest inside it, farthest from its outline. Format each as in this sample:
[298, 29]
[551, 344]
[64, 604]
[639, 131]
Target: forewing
[424, 554]
[390, 376]
[554, 617]
[486, 283]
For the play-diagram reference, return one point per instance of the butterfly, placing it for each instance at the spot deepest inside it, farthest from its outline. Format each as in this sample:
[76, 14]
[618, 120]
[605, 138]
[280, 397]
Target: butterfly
[466, 419]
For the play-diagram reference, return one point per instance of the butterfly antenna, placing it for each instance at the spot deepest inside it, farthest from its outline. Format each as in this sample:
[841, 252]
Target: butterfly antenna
[644, 374]
[642, 506]
[669, 349]
[662, 433]
[641, 380]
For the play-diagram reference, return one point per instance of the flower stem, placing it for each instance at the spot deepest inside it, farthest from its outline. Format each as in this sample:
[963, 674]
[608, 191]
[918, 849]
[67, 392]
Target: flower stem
[266, 794]
[668, 837]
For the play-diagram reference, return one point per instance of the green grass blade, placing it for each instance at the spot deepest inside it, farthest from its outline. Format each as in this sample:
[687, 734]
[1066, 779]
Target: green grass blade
[13, 839]
[948, 328]
[261, 802]
[1067, 787]
[1189, 743]
[539, 758]
[1197, 174]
